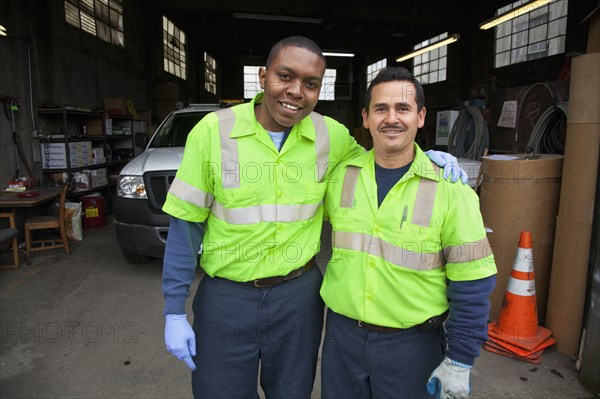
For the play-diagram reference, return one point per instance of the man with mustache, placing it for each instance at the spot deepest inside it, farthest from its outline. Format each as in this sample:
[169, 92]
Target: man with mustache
[409, 251]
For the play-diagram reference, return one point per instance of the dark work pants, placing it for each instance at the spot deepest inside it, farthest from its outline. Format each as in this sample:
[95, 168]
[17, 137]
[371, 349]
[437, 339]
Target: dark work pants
[237, 326]
[371, 365]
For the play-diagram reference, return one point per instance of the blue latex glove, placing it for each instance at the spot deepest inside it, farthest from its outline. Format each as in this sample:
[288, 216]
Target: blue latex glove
[180, 338]
[450, 380]
[450, 165]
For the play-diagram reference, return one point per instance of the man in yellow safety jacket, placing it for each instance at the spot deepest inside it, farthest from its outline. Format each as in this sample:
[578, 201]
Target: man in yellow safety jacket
[255, 174]
[409, 251]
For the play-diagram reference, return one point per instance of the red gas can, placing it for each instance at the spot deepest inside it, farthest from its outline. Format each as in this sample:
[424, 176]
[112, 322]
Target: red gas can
[94, 213]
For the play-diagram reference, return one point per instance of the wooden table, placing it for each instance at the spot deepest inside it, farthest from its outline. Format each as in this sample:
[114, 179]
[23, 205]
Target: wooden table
[9, 199]
[25, 206]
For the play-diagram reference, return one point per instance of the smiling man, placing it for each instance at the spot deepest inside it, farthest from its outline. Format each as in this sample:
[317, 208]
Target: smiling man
[409, 252]
[254, 175]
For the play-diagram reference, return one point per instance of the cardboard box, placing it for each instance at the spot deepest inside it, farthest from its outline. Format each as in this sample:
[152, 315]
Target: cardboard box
[444, 122]
[115, 106]
[519, 195]
[98, 127]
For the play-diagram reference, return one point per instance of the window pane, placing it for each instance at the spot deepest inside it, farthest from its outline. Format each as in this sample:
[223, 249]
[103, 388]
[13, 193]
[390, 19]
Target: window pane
[426, 66]
[504, 29]
[174, 49]
[443, 63]
[88, 23]
[537, 50]
[328, 86]
[118, 38]
[557, 9]
[251, 81]
[374, 68]
[519, 54]
[538, 33]
[502, 59]
[72, 14]
[556, 45]
[103, 31]
[520, 23]
[533, 33]
[116, 20]
[519, 39]
[102, 11]
[433, 77]
[442, 75]
[101, 18]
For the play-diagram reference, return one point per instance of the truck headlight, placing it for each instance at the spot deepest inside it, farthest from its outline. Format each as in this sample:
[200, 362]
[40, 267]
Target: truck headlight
[131, 187]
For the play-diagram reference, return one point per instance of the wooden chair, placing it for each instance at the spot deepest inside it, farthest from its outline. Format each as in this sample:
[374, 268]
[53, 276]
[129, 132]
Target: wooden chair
[48, 222]
[9, 234]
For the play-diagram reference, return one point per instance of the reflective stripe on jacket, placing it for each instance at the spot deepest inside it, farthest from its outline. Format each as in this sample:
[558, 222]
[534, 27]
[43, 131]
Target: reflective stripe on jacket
[264, 207]
[390, 264]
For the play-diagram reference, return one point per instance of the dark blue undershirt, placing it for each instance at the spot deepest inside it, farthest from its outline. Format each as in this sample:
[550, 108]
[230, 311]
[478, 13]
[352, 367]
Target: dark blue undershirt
[387, 178]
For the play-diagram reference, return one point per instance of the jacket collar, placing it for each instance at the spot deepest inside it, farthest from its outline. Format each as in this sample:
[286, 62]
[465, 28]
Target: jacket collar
[303, 128]
[421, 165]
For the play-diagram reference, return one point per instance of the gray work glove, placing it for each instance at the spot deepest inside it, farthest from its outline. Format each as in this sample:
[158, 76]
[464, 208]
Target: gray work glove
[450, 380]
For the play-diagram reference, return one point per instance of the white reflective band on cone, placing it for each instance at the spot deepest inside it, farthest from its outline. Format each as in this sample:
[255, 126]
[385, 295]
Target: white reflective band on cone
[521, 287]
[524, 260]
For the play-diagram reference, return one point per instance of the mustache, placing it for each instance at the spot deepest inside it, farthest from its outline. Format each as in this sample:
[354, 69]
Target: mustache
[394, 126]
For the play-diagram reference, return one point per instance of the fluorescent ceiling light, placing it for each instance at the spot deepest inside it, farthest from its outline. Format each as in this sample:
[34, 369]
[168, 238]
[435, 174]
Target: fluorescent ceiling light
[2, 31]
[515, 12]
[332, 54]
[432, 46]
[280, 18]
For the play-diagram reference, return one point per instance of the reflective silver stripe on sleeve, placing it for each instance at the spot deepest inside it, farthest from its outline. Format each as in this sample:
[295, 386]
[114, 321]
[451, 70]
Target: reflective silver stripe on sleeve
[349, 187]
[391, 253]
[264, 213]
[230, 158]
[191, 194]
[322, 145]
[424, 202]
[467, 252]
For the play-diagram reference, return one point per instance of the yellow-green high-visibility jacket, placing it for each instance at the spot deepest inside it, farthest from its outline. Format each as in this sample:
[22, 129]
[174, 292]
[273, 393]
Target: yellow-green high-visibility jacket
[390, 264]
[263, 207]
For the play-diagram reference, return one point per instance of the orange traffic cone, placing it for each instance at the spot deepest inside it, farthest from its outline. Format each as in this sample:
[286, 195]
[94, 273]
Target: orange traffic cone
[516, 331]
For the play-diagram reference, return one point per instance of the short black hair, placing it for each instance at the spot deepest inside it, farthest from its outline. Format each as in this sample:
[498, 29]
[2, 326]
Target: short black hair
[295, 41]
[391, 74]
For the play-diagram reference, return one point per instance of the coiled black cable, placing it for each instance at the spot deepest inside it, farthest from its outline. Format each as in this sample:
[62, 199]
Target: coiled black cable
[458, 134]
[547, 137]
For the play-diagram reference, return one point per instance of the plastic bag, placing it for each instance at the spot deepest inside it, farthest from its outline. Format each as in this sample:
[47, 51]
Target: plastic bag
[73, 221]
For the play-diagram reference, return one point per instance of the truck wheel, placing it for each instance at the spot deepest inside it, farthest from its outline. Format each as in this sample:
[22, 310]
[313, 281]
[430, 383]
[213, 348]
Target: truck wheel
[135, 257]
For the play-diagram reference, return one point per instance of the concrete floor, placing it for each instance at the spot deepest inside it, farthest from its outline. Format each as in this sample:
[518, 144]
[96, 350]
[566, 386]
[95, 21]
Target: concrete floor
[90, 325]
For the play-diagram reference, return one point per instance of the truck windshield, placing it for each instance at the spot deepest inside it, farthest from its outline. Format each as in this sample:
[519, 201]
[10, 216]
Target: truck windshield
[174, 132]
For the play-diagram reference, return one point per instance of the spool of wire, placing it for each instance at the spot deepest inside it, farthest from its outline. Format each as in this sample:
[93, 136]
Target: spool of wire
[547, 136]
[458, 135]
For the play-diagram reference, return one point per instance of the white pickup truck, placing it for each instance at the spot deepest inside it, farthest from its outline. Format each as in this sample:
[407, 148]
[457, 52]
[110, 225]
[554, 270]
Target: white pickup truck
[141, 225]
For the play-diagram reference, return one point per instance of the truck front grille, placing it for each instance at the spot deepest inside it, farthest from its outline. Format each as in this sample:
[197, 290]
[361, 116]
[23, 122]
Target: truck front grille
[157, 186]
